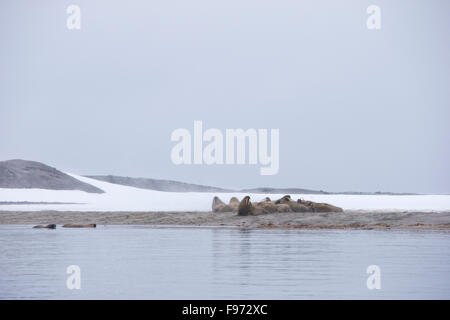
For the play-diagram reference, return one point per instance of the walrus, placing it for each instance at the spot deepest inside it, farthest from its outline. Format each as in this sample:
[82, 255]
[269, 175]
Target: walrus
[234, 204]
[48, 226]
[283, 207]
[305, 203]
[245, 207]
[74, 225]
[219, 206]
[320, 207]
[293, 205]
[262, 207]
[325, 207]
[298, 207]
[284, 199]
[268, 206]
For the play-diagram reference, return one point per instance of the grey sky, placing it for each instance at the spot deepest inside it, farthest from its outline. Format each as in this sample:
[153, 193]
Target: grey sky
[357, 109]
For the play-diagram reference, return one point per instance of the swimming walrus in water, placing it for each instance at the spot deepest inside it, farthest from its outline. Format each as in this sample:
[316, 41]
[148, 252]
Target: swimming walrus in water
[75, 225]
[219, 206]
[48, 226]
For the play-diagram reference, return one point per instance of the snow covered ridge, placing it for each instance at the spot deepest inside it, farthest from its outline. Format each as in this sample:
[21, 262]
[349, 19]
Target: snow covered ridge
[124, 198]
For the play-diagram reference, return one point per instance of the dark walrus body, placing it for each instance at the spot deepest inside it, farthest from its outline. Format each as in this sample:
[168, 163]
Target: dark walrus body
[74, 225]
[48, 226]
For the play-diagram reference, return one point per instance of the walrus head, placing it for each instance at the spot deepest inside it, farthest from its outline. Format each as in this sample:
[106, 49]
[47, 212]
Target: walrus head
[285, 199]
[246, 200]
[245, 207]
[217, 203]
[234, 201]
[305, 203]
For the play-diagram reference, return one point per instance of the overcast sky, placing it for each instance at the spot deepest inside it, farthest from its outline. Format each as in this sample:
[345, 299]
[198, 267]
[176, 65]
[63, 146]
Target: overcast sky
[357, 109]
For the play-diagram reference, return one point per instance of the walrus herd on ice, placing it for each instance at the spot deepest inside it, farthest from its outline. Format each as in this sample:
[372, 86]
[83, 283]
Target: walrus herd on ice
[246, 208]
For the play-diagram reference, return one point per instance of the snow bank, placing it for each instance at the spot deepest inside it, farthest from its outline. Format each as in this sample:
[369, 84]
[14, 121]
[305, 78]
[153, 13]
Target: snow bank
[123, 198]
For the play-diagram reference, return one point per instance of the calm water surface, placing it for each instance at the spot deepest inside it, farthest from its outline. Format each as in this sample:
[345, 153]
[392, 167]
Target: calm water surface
[137, 262]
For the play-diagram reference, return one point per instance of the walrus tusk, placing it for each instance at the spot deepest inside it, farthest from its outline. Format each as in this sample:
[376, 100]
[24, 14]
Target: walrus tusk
[245, 207]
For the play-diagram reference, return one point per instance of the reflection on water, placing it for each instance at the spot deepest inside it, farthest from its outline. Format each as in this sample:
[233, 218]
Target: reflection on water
[125, 262]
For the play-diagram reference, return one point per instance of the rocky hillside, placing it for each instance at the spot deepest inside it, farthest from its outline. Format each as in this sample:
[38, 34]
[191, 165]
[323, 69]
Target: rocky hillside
[30, 174]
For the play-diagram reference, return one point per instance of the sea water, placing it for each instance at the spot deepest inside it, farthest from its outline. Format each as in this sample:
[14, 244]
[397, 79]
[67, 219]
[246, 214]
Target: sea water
[140, 262]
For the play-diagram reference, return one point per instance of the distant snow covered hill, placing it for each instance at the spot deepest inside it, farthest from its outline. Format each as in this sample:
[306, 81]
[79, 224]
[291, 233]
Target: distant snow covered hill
[157, 184]
[177, 186]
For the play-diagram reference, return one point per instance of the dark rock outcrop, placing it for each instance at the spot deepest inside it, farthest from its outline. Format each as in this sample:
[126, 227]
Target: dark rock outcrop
[25, 174]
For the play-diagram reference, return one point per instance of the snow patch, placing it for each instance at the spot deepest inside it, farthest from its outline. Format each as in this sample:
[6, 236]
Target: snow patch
[124, 198]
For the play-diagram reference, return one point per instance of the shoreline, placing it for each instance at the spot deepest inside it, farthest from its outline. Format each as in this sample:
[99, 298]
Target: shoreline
[354, 219]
